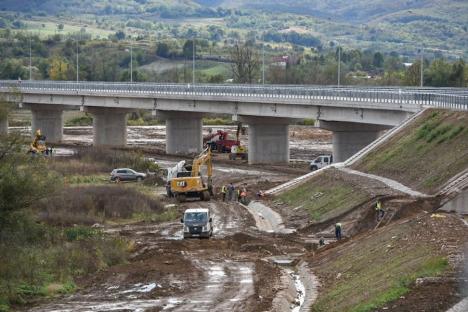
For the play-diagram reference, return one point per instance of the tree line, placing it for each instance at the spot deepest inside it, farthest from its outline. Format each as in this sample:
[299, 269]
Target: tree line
[55, 58]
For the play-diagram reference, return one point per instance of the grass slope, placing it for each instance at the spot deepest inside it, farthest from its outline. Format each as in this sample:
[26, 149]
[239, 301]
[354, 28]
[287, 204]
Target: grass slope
[326, 196]
[381, 266]
[426, 155]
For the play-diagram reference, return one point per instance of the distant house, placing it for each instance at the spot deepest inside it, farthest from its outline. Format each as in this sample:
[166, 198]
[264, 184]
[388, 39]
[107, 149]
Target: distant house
[408, 65]
[282, 61]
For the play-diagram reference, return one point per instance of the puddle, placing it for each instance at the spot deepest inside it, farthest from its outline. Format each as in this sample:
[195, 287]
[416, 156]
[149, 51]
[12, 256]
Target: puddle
[140, 288]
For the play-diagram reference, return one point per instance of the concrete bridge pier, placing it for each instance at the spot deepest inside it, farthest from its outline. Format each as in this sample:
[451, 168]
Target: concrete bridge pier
[349, 137]
[183, 131]
[268, 139]
[49, 119]
[109, 126]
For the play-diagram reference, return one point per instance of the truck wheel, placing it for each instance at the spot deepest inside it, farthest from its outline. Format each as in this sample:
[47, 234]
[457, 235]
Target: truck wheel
[180, 198]
[313, 168]
[205, 196]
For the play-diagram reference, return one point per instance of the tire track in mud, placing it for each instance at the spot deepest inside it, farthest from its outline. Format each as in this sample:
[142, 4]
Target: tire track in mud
[226, 286]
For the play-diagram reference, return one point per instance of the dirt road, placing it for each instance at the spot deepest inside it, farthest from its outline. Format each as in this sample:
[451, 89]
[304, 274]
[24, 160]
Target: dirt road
[168, 273]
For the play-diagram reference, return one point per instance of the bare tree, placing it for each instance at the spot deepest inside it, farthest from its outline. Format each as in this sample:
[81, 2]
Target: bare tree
[245, 63]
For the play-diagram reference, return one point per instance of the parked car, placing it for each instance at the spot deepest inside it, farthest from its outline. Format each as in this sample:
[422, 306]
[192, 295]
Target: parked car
[126, 174]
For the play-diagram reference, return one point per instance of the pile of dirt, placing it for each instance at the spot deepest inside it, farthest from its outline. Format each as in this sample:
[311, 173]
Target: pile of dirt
[328, 197]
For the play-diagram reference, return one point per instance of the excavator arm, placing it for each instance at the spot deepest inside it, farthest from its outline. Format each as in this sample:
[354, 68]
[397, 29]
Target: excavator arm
[204, 159]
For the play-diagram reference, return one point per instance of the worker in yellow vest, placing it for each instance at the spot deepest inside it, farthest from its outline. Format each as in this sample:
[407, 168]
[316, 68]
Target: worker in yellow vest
[223, 191]
[379, 210]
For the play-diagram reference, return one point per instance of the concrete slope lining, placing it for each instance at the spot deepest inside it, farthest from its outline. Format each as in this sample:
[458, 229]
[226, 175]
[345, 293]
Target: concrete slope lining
[462, 306]
[455, 184]
[285, 186]
[389, 182]
[266, 219]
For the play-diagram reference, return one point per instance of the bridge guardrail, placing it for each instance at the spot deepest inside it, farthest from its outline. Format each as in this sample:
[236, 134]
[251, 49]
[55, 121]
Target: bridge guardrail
[450, 98]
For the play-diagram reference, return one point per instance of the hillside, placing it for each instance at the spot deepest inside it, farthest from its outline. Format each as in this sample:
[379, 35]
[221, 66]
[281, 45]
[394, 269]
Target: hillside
[408, 260]
[359, 11]
[426, 155]
[394, 25]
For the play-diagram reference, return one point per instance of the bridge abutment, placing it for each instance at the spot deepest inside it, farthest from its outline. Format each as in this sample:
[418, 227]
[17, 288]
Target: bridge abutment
[183, 132]
[109, 126]
[349, 138]
[268, 139]
[49, 119]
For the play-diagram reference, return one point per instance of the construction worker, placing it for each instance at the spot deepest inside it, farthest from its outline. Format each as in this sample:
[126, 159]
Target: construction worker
[243, 197]
[223, 191]
[238, 193]
[322, 241]
[379, 211]
[230, 190]
[338, 230]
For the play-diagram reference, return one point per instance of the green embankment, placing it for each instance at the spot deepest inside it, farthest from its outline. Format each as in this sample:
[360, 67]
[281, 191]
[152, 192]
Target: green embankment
[325, 196]
[427, 154]
[380, 267]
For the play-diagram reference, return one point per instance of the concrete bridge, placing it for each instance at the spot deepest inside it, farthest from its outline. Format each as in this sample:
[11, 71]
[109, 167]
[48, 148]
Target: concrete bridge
[355, 115]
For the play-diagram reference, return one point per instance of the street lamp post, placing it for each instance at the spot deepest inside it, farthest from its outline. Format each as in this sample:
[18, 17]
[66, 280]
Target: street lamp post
[263, 58]
[30, 58]
[131, 61]
[339, 65]
[422, 68]
[193, 60]
[77, 60]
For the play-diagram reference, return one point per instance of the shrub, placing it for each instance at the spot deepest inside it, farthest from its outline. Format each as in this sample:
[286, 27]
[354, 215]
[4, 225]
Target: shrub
[86, 120]
[88, 205]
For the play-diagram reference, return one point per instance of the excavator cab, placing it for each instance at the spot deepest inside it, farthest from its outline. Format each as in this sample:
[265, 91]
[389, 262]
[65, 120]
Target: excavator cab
[192, 184]
[38, 145]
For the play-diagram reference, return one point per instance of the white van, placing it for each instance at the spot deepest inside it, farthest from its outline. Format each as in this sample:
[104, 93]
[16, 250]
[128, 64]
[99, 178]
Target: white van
[197, 222]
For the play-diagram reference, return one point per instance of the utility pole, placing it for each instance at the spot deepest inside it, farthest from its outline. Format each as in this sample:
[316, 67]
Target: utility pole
[30, 57]
[193, 60]
[339, 65]
[422, 69]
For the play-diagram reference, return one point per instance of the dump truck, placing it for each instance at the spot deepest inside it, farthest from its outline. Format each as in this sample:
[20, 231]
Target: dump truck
[189, 182]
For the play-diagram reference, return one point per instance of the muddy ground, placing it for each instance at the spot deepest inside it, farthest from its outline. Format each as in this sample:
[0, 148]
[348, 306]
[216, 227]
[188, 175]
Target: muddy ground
[250, 263]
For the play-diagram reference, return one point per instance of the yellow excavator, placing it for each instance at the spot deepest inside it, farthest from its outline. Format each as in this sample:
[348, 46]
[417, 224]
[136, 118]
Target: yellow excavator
[190, 184]
[38, 145]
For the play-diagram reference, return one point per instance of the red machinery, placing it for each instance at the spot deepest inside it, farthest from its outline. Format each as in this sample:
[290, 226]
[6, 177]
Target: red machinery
[220, 141]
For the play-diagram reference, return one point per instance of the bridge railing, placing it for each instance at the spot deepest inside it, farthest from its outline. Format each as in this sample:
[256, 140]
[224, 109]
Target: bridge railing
[453, 98]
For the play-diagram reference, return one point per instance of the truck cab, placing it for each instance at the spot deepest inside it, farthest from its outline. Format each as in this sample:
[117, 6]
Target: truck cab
[197, 222]
[321, 161]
